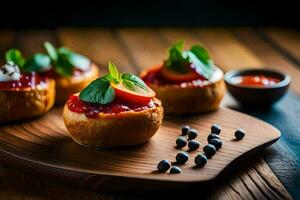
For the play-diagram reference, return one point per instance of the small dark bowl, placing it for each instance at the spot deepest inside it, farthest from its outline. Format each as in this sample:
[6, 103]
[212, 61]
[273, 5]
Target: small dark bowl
[251, 95]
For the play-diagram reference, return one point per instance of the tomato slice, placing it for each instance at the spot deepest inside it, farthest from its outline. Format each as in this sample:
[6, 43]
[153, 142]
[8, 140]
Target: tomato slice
[179, 78]
[140, 96]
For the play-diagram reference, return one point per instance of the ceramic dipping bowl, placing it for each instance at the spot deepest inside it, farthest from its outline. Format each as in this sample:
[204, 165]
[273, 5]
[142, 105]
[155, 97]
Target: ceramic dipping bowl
[257, 95]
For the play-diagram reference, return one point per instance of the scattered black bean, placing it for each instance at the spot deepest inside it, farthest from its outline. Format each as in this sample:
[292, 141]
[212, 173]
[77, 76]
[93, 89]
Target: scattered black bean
[209, 150]
[200, 160]
[239, 134]
[175, 170]
[215, 128]
[212, 136]
[163, 165]
[192, 134]
[181, 142]
[182, 157]
[185, 130]
[216, 142]
[193, 145]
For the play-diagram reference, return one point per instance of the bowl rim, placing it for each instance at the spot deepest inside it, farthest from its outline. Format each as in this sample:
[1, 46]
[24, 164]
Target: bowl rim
[283, 83]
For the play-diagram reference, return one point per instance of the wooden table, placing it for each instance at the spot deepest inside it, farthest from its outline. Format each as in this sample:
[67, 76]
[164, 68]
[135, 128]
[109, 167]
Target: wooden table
[274, 174]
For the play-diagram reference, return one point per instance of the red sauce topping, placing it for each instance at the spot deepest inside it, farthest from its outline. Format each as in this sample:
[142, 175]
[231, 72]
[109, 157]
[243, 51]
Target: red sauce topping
[254, 80]
[30, 80]
[27, 81]
[92, 110]
[154, 76]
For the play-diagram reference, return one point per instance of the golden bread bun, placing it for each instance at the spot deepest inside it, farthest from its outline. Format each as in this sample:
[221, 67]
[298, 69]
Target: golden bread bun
[25, 104]
[114, 130]
[66, 86]
[178, 100]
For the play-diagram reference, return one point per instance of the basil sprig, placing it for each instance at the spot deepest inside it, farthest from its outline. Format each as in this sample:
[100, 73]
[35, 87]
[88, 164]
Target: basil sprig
[15, 56]
[64, 60]
[130, 81]
[176, 61]
[179, 60]
[36, 63]
[100, 90]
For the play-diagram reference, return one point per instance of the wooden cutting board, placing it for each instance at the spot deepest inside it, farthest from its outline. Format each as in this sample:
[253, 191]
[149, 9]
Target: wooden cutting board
[42, 147]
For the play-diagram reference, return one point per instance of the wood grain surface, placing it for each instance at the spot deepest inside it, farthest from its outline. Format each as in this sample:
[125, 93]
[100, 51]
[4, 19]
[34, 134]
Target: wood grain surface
[284, 40]
[241, 185]
[44, 144]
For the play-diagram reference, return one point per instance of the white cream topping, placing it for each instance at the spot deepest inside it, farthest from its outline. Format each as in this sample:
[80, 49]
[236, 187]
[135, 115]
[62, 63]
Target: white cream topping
[9, 72]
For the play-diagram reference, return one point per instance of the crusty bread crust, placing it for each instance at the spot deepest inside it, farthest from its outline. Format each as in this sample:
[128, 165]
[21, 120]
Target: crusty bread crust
[66, 86]
[179, 100]
[114, 130]
[26, 104]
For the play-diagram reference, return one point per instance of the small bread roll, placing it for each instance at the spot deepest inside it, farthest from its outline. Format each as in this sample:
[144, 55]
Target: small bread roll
[26, 104]
[180, 99]
[114, 130]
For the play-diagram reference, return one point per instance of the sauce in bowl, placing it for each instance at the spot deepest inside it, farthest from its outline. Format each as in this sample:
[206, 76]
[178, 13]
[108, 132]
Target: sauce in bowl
[254, 80]
[259, 87]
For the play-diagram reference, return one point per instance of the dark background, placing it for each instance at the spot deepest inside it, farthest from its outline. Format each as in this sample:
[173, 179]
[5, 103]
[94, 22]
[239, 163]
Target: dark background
[47, 14]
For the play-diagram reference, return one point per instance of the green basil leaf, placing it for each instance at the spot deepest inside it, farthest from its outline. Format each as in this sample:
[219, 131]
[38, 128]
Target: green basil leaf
[15, 56]
[135, 80]
[180, 60]
[134, 83]
[176, 61]
[63, 50]
[64, 60]
[129, 85]
[37, 63]
[63, 67]
[205, 70]
[109, 78]
[114, 72]
[78, 61]
[178, 45]
[201, 53]
[51, 51]
[99, 91]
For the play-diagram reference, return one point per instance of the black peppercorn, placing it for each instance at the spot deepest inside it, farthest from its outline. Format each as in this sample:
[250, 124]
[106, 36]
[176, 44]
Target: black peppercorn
[239, 134]
[216, 142]
[209, 150]
[192, 134]
[163, 165]
[182, 157]
[200, 160]
[181, 142]
[185, 130]
[212, 136]
[215, 129]
[175, 170]
[193, 145]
